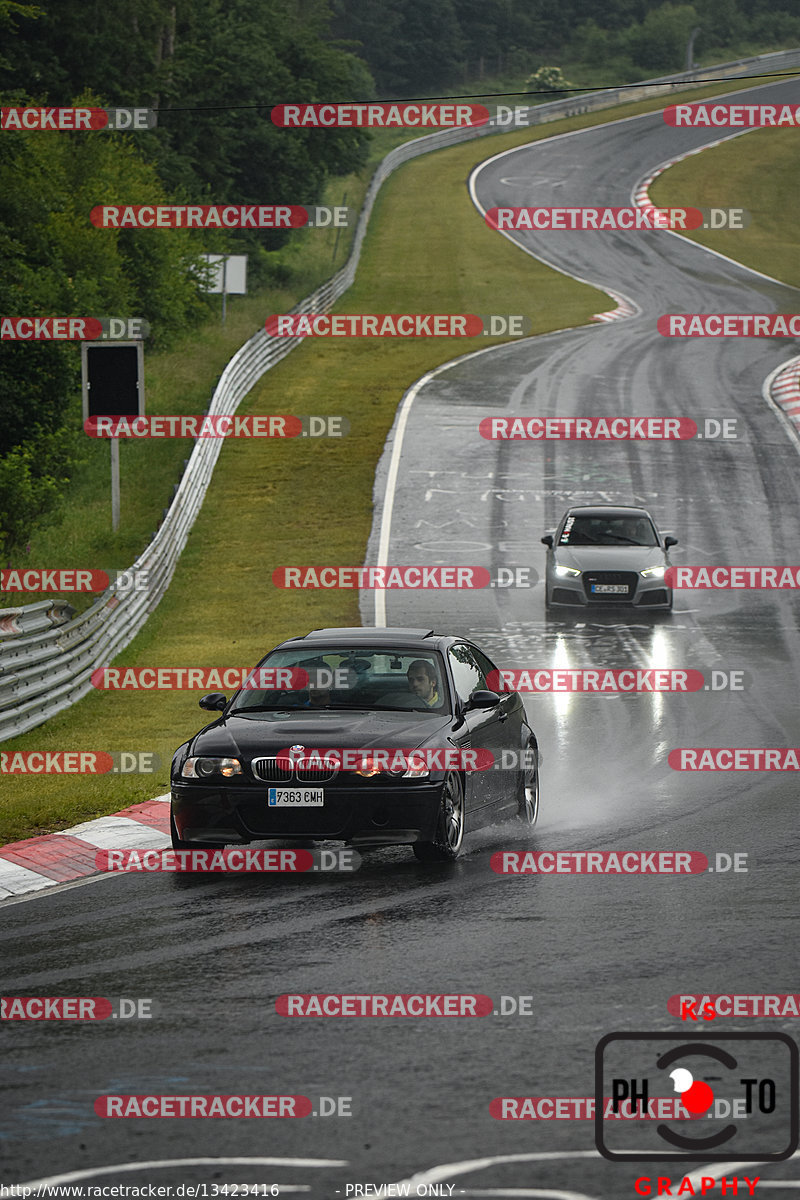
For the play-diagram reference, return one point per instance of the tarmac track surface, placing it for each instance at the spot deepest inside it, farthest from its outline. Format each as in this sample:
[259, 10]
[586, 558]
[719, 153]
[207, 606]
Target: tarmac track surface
[596, 953]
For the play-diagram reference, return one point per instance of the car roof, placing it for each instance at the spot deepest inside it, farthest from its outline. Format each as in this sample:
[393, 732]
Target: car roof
[607, 510]
[347, 636]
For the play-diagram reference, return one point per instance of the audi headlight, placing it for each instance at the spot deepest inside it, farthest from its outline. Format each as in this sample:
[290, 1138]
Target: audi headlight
[564, 571]
[653, 573]
[206, 768]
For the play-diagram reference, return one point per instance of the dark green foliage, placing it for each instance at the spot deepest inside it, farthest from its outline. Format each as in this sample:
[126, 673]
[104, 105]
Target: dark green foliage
[212, 69]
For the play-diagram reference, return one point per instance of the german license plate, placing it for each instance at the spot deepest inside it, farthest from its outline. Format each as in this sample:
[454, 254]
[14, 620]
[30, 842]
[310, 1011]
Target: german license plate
[611, 589]
[295, 797]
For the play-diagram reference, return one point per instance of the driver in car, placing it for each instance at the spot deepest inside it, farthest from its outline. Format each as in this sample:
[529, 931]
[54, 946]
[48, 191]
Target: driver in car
[422, 682]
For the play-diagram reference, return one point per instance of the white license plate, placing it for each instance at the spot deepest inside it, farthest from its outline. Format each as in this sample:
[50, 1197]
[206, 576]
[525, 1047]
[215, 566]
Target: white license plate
[611, 589]
[295, 797]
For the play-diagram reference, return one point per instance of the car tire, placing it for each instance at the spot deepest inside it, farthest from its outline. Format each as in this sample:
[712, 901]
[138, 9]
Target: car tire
[449, 836]
[528, 811]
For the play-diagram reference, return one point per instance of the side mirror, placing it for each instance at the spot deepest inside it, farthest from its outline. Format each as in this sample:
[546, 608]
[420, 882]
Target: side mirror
[670, 541]
[482, 699]
[547, 540]
[214, 701]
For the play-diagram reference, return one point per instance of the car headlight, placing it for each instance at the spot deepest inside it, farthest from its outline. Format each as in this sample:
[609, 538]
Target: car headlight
[564, 571]
[205, 768]
[653, 573]
[414, 769]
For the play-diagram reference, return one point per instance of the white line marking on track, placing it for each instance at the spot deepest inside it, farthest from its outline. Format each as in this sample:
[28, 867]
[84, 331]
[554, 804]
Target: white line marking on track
[160, 1163]
[447, 1170]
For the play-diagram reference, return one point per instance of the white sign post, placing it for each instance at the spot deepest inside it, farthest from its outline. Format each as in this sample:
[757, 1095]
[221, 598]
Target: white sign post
[228, 275]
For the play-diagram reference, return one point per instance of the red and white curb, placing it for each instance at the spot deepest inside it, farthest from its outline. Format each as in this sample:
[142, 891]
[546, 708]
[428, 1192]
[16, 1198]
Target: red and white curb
[42, 862]
[784, 390]
[625, 308]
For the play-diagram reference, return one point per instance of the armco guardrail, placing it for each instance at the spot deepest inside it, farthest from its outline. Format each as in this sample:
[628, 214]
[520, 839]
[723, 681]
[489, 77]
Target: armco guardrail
[45, 669]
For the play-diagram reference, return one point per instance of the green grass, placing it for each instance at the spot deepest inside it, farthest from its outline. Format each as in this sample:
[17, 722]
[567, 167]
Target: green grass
[759, 172]
[276, 503]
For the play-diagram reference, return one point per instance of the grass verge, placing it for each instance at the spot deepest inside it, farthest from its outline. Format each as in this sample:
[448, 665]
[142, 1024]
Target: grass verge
[759, 172]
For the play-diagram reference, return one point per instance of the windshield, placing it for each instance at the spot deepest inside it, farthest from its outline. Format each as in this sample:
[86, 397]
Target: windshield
[604, 530]
[348, 679]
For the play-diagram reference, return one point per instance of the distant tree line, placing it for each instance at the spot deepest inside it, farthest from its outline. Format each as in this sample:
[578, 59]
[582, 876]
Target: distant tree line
[419, 47]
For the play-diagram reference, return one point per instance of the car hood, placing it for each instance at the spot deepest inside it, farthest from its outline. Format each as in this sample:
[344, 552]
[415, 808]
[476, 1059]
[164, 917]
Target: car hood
[267, 733]
[610, 558]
